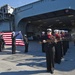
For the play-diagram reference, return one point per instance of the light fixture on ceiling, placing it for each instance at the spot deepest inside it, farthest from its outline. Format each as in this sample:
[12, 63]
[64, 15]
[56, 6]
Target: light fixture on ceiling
[45, 22]
[70, 15]
[39, 20]
[57, 20]
[60, 22]
[64, 25]
[40, 24]
[29, 21]
[50, 25]
[38, 27]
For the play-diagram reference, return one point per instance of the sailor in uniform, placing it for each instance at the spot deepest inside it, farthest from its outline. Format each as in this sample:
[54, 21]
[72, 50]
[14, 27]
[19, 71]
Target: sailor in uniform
[26, 42]
[42, 41]
[58, 47]
[50, 51]
[14, 41]
[64, 46]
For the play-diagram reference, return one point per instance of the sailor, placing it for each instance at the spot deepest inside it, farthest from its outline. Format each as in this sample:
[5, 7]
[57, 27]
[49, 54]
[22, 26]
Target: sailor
[60, 31]
[73, 38]
[26, 43]
[0, 42]
[58, 47]
[67, 38]
[50, 51]
[3, 42]
[64, 46]
[14, 41]
[42, 39]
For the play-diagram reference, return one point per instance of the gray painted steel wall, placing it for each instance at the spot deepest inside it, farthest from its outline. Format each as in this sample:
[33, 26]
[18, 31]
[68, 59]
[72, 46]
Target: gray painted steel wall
[4, 26]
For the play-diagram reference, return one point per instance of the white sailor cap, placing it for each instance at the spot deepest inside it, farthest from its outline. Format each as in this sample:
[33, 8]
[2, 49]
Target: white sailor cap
[25, 35]
[62, 30]
[13, 32]
[66, 31]
[56, 30]
[43, 32]
[49, 30]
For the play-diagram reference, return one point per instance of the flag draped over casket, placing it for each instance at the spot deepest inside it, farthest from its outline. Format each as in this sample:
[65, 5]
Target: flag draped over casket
[7, 36]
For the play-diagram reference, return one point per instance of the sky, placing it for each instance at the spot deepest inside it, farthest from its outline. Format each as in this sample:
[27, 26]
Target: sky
[16, 3]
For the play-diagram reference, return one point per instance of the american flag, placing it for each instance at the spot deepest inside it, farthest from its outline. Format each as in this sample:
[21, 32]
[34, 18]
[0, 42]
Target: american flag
[8, 41]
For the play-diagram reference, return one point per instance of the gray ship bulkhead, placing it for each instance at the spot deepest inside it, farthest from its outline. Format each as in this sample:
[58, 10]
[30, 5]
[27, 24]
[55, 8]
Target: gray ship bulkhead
[38, 16]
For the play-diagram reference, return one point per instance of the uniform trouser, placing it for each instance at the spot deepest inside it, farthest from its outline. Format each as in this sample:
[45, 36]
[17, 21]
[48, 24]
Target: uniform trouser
[13, 48]
[0, 48]
[26, 47]
[3, 45]
[68, 44]
[43, 47]
[58, 52]
[61, 49]
[64, 47]
[50, 52]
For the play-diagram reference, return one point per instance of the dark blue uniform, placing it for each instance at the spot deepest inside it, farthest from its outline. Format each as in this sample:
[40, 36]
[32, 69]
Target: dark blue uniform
[58, 49]
[26, 43]
[1, 43]
[64, 44]
[50, 53]
[43, 37]
[67, 39]
[14, 42]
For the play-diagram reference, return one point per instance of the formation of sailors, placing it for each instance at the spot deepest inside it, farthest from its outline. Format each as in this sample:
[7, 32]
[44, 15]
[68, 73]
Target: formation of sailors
[55, 45]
